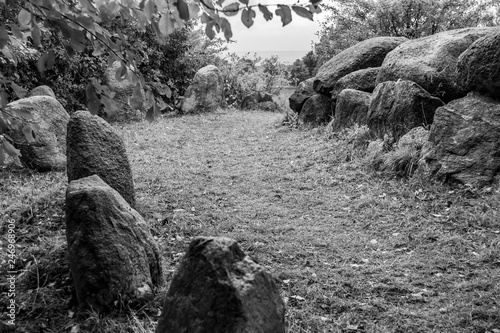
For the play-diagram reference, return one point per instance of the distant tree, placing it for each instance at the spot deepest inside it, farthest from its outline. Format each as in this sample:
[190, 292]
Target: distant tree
[274, 74]
[298, 72]
[310, 60]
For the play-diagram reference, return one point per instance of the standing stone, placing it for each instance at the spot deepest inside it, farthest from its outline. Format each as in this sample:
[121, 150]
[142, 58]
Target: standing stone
[303, 92]
[48, 150]
[368, 53]
[397, 107]
[464, 142]
[317, 110]
[205, 93]
[114, 261]
[94, 147]
[42, 91]
[431, 61]
[218, 289]
[352, 108]
[478, 67]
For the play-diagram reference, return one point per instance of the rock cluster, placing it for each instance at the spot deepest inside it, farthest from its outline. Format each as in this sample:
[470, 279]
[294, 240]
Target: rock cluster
[448, 82]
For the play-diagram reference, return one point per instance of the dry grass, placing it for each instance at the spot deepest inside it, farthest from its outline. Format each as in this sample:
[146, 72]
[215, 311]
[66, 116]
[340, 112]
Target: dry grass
[352, 250]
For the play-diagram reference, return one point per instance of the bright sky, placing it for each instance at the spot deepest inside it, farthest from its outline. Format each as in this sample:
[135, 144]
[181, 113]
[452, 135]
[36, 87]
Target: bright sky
[272, 36]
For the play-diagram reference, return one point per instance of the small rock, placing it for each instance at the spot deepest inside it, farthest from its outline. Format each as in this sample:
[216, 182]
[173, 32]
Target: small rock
[218, 289]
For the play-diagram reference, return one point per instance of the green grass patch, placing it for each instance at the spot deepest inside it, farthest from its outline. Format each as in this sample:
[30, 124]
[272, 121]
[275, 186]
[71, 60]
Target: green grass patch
[352, 250]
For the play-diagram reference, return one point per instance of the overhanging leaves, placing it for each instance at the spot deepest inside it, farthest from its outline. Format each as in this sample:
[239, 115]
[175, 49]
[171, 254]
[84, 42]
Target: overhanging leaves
[4, 37]
[209, 29]
[301, 11]
[166, 25]
[247, 16]
[18, 90]
[232, 9]
[93, 103]
[3, 99]
[267, 14]
[24, 17]
[46, 61]
[183, 9]
[285, 13]
[226, 28]
[10, 149]
[110, 106]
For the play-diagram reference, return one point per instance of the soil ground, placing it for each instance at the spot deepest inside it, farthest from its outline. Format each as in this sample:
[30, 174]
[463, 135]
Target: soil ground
[352, 250]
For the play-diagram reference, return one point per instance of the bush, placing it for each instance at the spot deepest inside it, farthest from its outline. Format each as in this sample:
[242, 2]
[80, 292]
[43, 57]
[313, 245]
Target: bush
[242, 77]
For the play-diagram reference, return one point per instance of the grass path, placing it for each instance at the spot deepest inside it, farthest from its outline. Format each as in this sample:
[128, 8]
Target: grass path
[351, 250]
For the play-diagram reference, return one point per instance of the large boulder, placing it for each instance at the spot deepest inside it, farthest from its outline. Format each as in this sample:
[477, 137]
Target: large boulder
[47, 150]
[317, 110]
[362, 80]
[113, 258]
[123, 88]
[42, 91]
[368, 53]
[352, 108]
[205, 93]
[478, 67]
[397, 107]
[464, 142]
[219, 289]
[303, 92]
[94, 147]
[431, 61]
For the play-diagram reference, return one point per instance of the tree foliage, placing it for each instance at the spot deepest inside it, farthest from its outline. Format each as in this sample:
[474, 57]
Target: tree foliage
[298, 72]
[304, 68]
[80, 25]
[351, 21]
[244, 75]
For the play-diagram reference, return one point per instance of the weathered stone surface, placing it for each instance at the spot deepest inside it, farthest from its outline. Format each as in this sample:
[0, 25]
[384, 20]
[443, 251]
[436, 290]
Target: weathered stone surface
[464, 142]
[94, 147]
[42, 91]
[368, 53]
[205, 92]
[352, 108]
[478, 67]
[113, 258]
[123, 90]
[362, 80]
[317, 110]
[255, 99]
[415, 138]
[303, 92]
[431, 61]
[397, 107]
[48, 151]
[218, 289]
